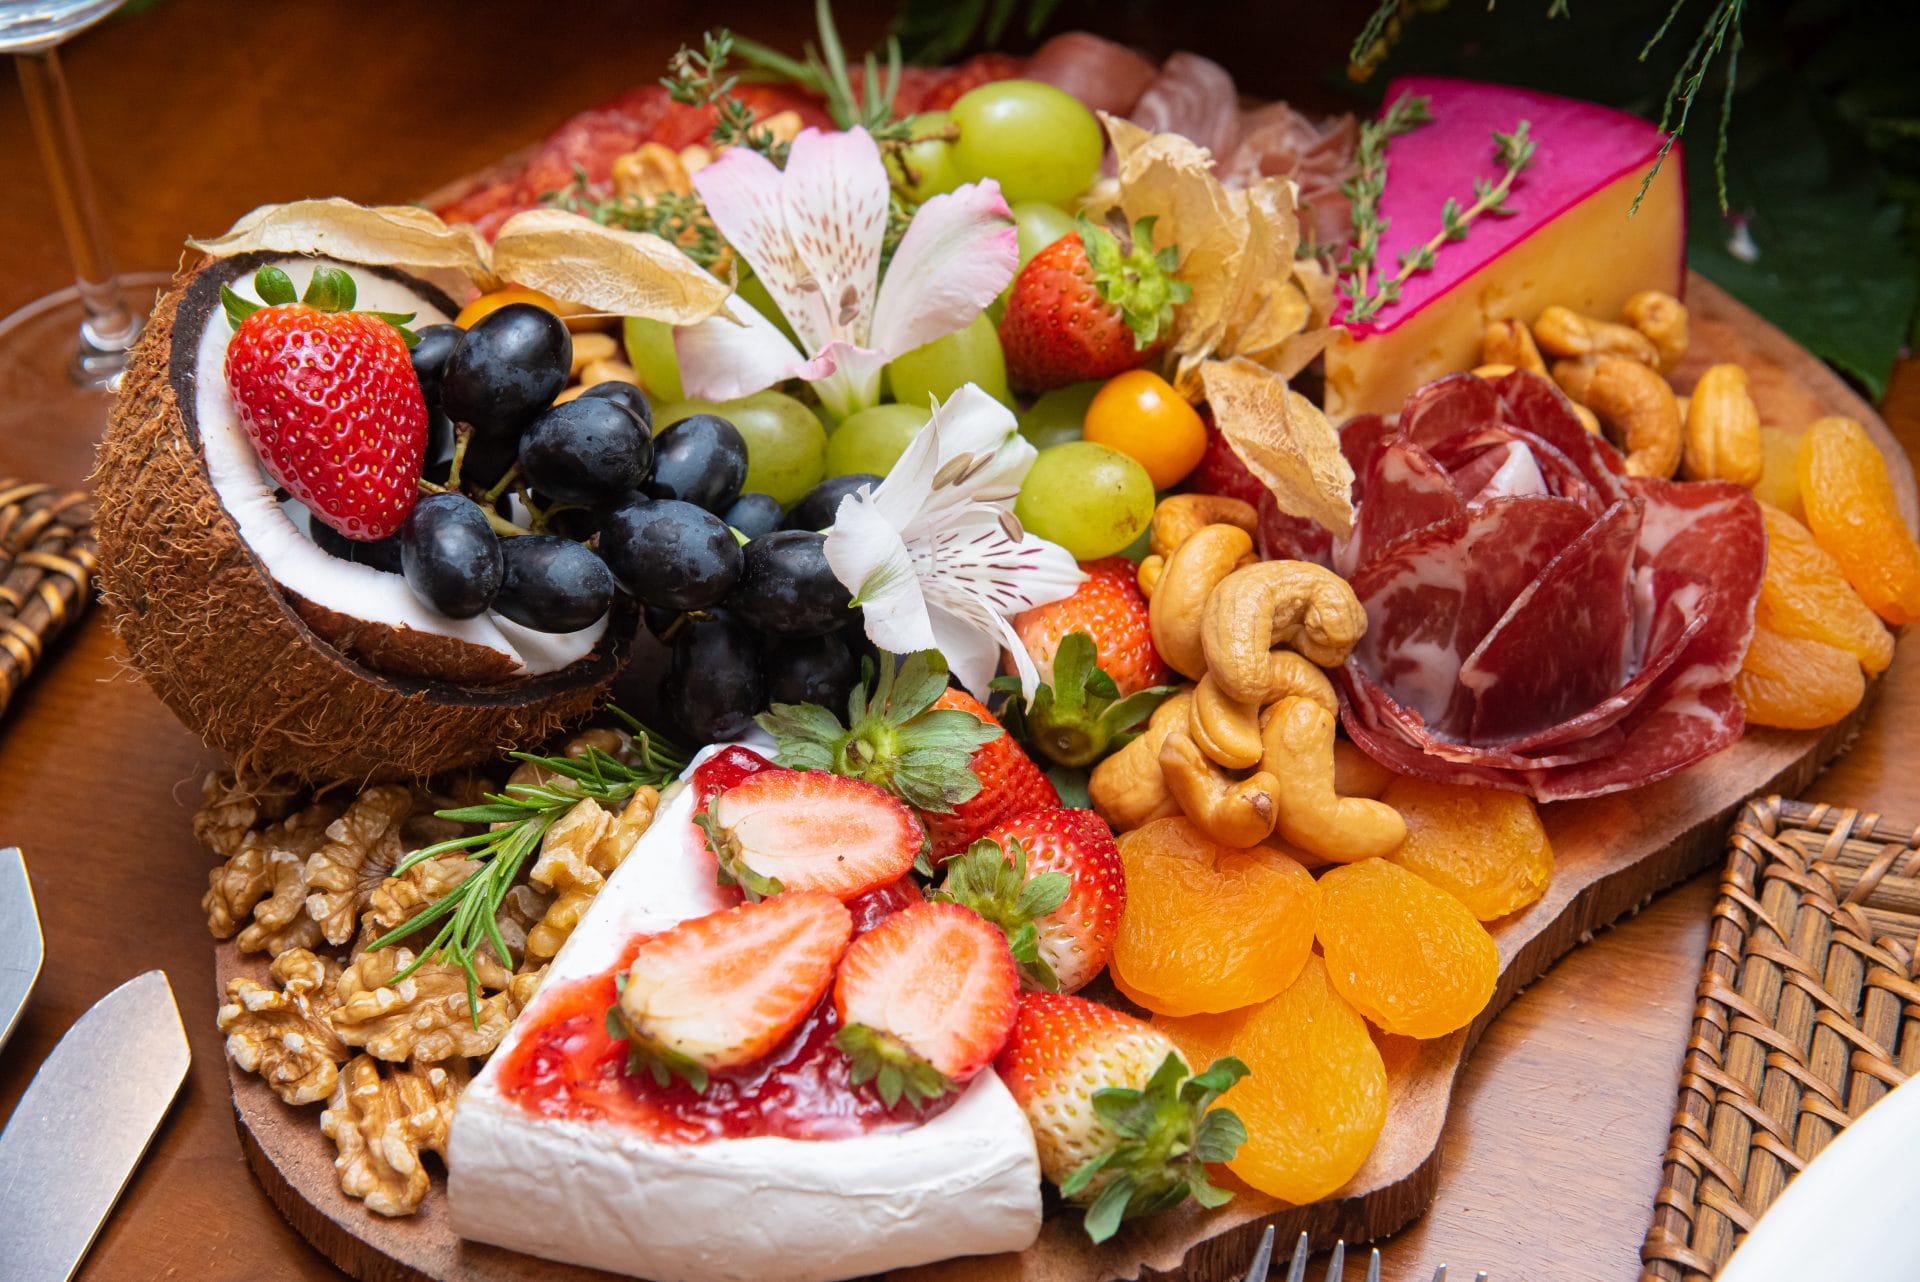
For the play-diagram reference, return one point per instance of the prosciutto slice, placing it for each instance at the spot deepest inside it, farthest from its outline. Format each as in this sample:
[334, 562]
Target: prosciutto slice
[1537, 619]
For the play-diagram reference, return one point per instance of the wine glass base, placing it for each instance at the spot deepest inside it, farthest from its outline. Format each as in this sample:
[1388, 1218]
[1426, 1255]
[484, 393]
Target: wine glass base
[55, 395]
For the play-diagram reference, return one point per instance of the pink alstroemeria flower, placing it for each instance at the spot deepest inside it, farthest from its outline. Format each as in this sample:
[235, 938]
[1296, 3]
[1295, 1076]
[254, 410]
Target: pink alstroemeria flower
[812, 234]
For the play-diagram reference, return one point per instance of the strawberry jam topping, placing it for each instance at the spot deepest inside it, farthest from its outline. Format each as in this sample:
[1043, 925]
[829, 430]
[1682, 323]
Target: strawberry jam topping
[723, 770]
[571, 1066]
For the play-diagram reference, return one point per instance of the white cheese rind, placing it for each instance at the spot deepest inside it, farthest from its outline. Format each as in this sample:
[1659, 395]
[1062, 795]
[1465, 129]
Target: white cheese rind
[599, 1194]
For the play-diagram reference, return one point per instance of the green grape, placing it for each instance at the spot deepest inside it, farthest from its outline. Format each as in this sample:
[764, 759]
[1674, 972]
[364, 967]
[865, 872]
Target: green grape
[873, 439]
[786, 446]
[1038, 141]
[970, 355]
[1091, 500]
[931, 162]
[1039, 225]
[650, 352]
[1057, 417]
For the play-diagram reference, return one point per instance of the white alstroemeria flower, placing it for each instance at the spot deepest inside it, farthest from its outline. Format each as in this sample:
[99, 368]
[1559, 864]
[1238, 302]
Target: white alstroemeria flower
[933, 553]
[812, 233]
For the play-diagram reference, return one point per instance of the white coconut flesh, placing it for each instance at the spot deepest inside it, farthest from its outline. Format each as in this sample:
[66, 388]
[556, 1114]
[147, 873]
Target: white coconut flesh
[276, 531]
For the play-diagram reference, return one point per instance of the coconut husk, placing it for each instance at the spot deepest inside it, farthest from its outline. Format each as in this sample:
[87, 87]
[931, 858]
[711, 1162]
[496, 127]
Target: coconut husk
[211, 634]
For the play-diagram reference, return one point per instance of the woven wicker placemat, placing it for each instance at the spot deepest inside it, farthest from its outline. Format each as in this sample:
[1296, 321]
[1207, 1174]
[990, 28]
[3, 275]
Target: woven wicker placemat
[1808, 1014]
[47, 559]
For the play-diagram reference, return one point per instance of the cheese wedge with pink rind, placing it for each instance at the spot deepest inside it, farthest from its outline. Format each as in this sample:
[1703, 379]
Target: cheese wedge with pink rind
[1569, 242]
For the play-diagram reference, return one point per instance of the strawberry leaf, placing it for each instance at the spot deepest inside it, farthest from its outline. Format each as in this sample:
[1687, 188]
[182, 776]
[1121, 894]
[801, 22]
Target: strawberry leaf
[732, 869]
[330, 289]
[887, 1062]
[996, 886]
[1135, 280]
[236, 307]
[1109, 1209]
[1079, 717]
[274, 286]
[1219, 1136]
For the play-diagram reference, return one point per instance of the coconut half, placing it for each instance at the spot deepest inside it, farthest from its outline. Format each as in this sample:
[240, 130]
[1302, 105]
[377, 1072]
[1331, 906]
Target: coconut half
[285, 658]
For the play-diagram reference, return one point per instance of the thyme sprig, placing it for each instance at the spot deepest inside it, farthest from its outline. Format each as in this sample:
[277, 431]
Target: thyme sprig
[516, 819]
[1513, 152]
[1363, 191]
[676, 217]
[1721, 30]
[700, 79]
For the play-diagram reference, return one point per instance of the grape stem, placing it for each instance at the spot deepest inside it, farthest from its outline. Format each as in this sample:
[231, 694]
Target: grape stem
[506, 482]
[501, 525]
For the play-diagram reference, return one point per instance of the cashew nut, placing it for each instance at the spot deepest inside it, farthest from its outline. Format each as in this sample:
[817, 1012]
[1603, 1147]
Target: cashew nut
[1178, 518]
[1355, 774]
[1298, 756]
[1127, 789]
[1639, 410]
[1228, 729]
[1234, 812]
[1191, 573]
[650, 171]
[1258, 609]
[1507, 342]
[1663, 319]
[1561, 331]
[1721, 426]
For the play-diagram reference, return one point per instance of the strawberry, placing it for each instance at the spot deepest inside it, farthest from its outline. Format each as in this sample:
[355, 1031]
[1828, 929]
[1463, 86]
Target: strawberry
[1053, 881]
[1087, 308]
[329, 399]
[1120, 1126]
[1010, 784]
[939, 750]
[925, 1000]
[1110, 609]
[725, 989]
[797, 830]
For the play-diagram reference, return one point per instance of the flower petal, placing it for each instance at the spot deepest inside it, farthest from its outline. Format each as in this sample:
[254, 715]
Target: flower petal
[959, 252]
[867, 555]
[734, 355]
[854, 383]
[971, 647]
[971, 424]
[745, 196]
[836, 198]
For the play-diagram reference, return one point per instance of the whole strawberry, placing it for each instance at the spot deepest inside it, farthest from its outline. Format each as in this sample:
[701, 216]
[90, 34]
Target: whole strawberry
[1087, 307]
[1108, 607]
[1120, 1126]
[1053, 881]
[329, 398]
[1010, 784]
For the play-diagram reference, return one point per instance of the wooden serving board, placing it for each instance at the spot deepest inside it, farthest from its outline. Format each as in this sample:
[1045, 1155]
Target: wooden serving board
[1611, 854]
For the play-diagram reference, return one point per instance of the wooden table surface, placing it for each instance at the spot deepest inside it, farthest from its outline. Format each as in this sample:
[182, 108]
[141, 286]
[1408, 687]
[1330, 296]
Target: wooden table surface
[196, 111]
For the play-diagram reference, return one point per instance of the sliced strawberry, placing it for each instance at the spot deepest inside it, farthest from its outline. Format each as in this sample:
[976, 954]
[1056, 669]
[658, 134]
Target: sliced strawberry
[724, 769]
[925, 1000]
[1053, 881]
[809, 830]
[727, 988]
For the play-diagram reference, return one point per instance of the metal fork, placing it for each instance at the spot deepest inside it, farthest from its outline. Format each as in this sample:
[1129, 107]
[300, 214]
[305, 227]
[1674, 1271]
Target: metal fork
[1336, 1263]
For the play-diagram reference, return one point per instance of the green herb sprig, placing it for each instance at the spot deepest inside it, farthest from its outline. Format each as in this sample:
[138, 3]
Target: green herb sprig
[679, 218]
[700, 79]
[1363, 191]
[1513, 152]
[825, 71]
[468, 914]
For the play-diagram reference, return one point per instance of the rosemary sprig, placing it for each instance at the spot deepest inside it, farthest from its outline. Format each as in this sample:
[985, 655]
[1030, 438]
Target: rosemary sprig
[825, 71]
[1407, 113]
[1514, 152]
[1721, 30]
[467, 915]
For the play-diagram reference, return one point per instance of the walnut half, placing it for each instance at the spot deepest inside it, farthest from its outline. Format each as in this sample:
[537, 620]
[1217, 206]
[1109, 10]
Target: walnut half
[283, 1033]
[381, 1118]
[425, 1016]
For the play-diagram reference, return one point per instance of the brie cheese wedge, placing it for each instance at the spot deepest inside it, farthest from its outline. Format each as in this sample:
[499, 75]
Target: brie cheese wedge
[602, 1194]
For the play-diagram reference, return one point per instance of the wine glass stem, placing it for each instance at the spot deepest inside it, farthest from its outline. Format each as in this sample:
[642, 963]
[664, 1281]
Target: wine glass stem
[110, 325]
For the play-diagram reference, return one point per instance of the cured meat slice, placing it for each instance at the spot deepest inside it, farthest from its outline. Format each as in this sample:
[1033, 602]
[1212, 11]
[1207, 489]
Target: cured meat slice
[1382, 712]
[1535, 405]
[1562, 646]
[1558, 474]
[1710, 533]
[1195, 98]
[1103, 75]
[1291, 538]
[1678, 731]
[1432, 596]
[1449, 407]
[1276, 141]
[1407, 491]
[1359, 438]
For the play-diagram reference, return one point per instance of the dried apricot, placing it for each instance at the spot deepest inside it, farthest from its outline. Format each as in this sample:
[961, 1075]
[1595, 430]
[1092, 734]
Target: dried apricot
[1407, 955]
[1851, 509]
[1797, 684]
[1779, 482]
[1208, 927]
[1315, 1096]
[1805, 594]
[1204, 1038]
[1486, 847]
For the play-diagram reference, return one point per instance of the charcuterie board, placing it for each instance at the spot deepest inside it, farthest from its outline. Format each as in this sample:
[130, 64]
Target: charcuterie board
[1612, 853]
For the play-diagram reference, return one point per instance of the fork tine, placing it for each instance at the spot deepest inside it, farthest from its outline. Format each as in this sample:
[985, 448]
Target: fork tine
[1440, 1274]
[1297, 1270]
[1262, 1258]
[1337, 1262]
[1373, 1266]
[1481, 1276]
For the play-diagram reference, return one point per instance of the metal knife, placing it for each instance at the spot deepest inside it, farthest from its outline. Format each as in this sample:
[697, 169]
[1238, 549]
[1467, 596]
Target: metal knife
[79, 1130]
[21, 947]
